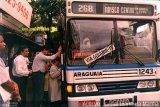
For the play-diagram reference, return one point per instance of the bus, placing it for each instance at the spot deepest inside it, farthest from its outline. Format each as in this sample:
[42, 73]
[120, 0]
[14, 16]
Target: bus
[110, 54]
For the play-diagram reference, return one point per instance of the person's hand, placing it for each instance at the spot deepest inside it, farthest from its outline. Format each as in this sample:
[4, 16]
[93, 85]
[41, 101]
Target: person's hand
[59, 49]
[59, 52]
[30, 71]
[15, 95]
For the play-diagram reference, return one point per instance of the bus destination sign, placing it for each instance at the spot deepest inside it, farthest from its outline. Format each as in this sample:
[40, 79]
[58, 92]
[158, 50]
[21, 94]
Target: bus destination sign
[84, 8]
[128, 9]
[112, 8]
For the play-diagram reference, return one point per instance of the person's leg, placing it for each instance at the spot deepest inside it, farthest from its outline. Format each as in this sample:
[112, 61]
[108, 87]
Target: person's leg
[52, 104]
[23, 91]
[45, 99]
[55, 104]
[38, 85]
[22, 85]
[58, 103]
[34, 88]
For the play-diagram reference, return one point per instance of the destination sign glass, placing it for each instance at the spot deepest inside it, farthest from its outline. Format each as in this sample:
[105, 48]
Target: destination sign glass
[112, 8]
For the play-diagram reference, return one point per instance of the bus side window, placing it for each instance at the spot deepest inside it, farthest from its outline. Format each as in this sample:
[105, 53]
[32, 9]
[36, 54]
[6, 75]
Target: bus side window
[144, 38]
[128, 40]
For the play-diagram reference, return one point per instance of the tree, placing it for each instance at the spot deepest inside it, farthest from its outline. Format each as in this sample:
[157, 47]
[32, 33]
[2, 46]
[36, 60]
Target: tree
[46, 13]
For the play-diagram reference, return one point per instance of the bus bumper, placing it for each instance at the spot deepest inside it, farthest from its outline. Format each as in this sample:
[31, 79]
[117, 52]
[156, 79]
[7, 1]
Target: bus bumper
[149, 99]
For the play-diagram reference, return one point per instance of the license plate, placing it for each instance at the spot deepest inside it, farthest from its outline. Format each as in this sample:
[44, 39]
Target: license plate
[87, 103]
[120, 102]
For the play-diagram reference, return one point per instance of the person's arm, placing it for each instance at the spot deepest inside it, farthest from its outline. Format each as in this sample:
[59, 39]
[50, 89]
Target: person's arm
[3, 77]
[54, 72]
[8, 84]
[54, 56]
[59, 52]
[12, 88]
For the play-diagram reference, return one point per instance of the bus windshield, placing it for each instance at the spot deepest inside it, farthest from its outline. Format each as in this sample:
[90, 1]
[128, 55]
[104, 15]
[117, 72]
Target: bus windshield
[130, 38]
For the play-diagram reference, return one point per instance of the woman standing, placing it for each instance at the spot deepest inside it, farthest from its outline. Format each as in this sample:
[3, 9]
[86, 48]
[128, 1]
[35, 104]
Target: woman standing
[55, 84]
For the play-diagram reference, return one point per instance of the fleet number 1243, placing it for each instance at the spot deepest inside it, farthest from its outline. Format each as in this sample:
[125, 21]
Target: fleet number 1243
[147, 71]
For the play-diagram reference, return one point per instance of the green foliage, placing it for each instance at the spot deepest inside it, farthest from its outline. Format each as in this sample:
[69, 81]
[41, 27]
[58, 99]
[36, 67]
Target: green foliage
[55, 36]
[47, 13]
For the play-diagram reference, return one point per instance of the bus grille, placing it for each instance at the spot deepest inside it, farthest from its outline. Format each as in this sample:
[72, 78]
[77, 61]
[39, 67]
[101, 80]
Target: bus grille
[117, 87]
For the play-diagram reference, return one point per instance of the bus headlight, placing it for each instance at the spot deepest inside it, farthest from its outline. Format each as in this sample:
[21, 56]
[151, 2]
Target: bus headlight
[151, 83]
[86, 88]
[80, 88]
[91, 88]
[147, 84]
[142, 84]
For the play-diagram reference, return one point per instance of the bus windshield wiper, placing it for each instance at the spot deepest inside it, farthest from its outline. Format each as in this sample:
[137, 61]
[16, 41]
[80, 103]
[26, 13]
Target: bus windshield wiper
[134, 57]
[126, 51]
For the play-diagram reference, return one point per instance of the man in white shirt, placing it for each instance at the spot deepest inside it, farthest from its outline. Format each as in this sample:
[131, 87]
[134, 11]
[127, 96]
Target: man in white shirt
[8, 88]
[38, 68]
[20, 73]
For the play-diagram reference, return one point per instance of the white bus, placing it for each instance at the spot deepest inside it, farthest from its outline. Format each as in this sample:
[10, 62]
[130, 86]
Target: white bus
[111, 54]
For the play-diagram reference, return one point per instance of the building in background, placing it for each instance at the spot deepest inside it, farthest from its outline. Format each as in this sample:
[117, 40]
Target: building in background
[15, 15]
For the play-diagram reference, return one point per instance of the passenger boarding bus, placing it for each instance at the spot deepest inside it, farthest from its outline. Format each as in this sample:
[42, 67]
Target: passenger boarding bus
[111, 54]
